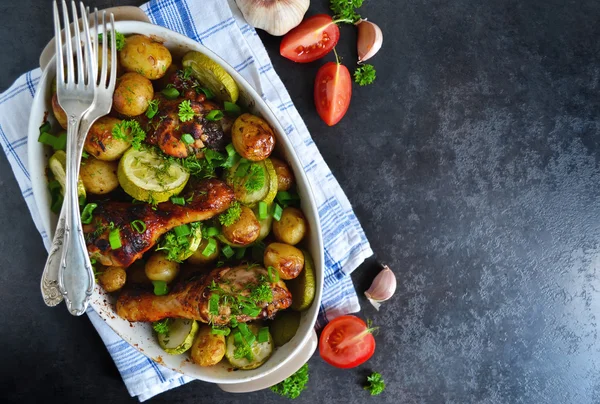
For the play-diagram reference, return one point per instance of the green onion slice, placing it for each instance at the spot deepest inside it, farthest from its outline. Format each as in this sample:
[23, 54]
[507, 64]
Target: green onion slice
[46, 127]
[273, 274]
[160, 288]
[221, 331]
[170, 93]
[209, 94]
[86, 214]
[263, 335]
[240, 252]
[263, 210]
[114, 238]
[178, 200]
[228, 251]
[211, 247]
[187, 138]
[232, 108]
[214, 115]
[211, 231]
[213, 304]
[277, 211]
[138, 225]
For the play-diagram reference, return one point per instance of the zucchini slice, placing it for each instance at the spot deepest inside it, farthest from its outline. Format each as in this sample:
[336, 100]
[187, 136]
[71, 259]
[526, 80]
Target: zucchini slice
[250, 171]
[303, 287]
[180, 336]
[261, 351]
[284, 327]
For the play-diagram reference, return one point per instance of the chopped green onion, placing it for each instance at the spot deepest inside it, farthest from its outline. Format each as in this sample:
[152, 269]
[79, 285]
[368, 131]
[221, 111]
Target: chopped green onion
[56, 142]
[178, 200]
[221, 331]
[233, 321]
[46, 127]
[213, 304]
[232, 108]
[86, 214]
[228, 251]
[240, 252]
[230, 149]
[243, 327]
[214, 115]
[209, 94]
[251, 311]
[187, 138]
[160, 288]
[250, 338]
[285, 197]
[263, 210]
[273, 274]
[183, 230]
[138, 226]
[85, 154]
[61, 142]
[237, 338]
[152, 108]
[114, 238]
[263, 335]
[277, 212]
[211, 247]
[170, 93]
[243, 168]
[211, 231]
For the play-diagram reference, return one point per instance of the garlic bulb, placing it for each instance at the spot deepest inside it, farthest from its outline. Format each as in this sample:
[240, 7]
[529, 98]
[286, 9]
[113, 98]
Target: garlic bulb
[370, 39]
[382, 288]
[277, 17]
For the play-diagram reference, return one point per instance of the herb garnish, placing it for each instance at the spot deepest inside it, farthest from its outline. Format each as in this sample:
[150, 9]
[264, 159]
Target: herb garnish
[365, 75]
[231, 215]
[162, 326]
[293, 385]
[120, 40]
[186, 113]
[129, 131]
[152, 108]
[376, 384]
[345, 10]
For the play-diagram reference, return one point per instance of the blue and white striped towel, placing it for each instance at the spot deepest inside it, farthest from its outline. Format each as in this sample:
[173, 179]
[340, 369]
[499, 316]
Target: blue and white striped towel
[220, 26]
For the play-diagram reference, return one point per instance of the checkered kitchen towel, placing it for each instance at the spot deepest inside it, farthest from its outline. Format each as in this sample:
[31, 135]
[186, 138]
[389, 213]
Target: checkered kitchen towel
[220, 26]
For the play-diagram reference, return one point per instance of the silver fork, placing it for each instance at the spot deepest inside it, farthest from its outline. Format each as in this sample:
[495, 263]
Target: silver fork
[49, 283]
[76, 96]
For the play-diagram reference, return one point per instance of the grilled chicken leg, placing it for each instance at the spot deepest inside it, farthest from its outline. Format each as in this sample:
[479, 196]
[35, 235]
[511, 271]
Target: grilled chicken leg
[208, 199]
[191, 299]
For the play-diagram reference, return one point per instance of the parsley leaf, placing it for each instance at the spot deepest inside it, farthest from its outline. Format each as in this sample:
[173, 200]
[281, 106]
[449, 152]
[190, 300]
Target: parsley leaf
[293, 385]
[129, 131]
[120, 40]
[345, 10]
[256, 178]
[176, 247]
[376, 384]
[186, 113]
[365, 75]
[162, 326]
[152, 108]
[231, 215]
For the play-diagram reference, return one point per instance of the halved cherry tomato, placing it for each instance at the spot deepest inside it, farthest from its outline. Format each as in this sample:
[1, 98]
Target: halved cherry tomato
[333, 90]
[314, 38]
[346, 342]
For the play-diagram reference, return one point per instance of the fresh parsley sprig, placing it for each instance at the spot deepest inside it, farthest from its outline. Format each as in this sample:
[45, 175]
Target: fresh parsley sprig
[365, 75]
[129, 131]
[376, 385]
[186, 113]
[345, 10]
[293, 385]
[120, 40]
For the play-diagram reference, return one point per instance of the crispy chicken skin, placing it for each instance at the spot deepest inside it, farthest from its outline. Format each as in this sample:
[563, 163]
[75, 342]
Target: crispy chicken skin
[208, 199]
[190, 299]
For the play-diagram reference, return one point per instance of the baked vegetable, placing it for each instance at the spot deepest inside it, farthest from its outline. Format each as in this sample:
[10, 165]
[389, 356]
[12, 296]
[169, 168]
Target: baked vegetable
[252, 137]
[59, 113]
[101, 143]
[180, 336]
[208, 349]
[253, 182]
[199, 258]
[58, 165]
[99, 177]
[243, 231]
[244, 355]
[285, 176]
[291, 227]
[133, 94]
[286, 259]
[112, 278]
[284, 327]
[304, 287]
[149, 58]
[159, 268]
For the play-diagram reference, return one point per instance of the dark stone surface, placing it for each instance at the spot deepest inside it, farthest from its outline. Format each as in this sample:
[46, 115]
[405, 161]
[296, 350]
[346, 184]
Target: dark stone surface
[473, 165]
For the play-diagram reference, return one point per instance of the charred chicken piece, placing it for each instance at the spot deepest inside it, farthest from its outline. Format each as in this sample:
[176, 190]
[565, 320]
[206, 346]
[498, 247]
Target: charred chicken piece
[207, 199]
[233, 288]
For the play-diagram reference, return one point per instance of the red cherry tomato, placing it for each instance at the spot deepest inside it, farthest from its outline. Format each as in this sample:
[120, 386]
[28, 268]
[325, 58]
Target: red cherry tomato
[333, 90]
[346, 342]
[314, 38]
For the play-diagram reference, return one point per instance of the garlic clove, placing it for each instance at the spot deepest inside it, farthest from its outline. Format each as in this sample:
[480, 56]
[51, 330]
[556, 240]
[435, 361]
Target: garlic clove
[370, 39]
[382, 288]
[277, 17]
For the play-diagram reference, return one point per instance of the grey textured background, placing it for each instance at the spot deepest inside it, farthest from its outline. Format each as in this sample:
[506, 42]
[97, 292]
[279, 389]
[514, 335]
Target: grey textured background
[473, 165]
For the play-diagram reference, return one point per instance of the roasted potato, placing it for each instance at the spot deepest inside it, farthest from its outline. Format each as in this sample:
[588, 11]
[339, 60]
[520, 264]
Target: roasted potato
[197, 258]
[291, 228]
[99, 177]
[109, 58]
[159, 268]
[245, 230]
[252, 137]
[208, 349]
[100, 142]
[112, 278]
[286, 259]
[132, 95]
[59, 113]
[145, 56]
[285, 176]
